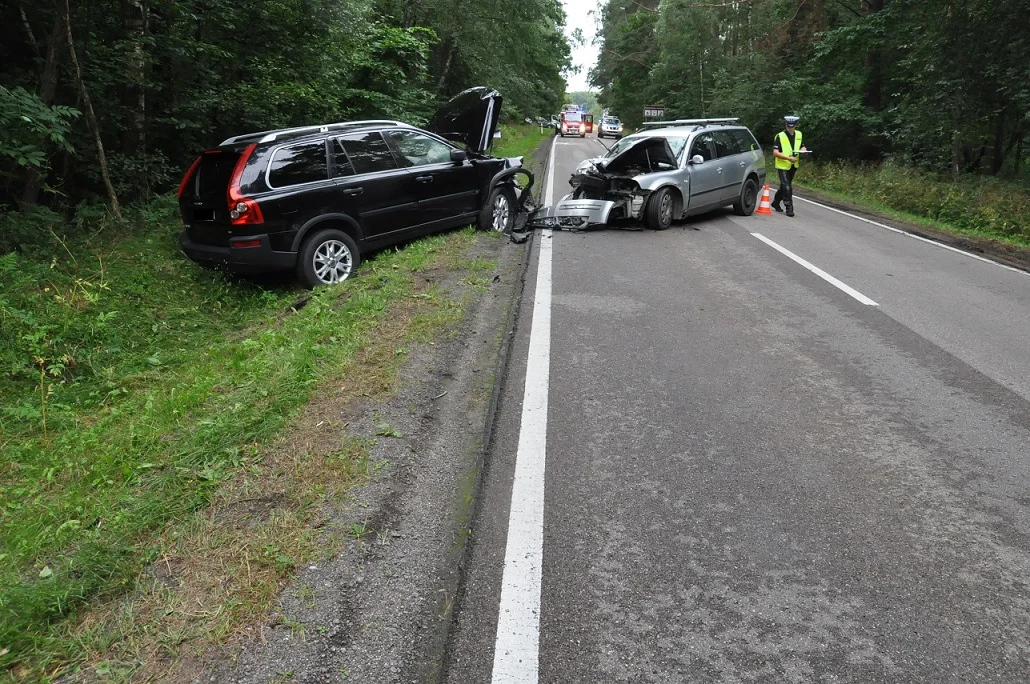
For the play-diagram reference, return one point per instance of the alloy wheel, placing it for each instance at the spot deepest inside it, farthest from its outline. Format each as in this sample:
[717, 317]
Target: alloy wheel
[501, 211]
[332, 262]
[666, 209]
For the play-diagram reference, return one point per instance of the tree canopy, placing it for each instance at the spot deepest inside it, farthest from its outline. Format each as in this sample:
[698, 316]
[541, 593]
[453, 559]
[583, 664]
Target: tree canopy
[939, 85]
[147, 84]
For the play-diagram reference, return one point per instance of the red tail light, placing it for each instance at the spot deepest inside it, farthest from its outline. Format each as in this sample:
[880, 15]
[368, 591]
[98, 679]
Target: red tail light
[242, 210]
[189, 174]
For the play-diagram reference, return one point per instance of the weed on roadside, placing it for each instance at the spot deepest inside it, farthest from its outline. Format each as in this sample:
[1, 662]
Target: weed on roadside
[145, 502]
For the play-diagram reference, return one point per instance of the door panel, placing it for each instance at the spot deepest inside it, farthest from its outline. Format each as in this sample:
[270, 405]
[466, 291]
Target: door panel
[368, 176]
[444, 189]
[706, 179]
[733, 164]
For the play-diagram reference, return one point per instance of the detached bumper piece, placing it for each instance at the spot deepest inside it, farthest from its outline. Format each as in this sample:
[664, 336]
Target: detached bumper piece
[572, 214]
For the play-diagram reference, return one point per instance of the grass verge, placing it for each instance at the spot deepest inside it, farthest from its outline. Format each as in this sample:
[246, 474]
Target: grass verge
[983, 208]
[521, 140]
[141, 404]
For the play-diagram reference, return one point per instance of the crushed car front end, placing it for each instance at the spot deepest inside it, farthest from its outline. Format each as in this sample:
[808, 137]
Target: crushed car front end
[614, 188]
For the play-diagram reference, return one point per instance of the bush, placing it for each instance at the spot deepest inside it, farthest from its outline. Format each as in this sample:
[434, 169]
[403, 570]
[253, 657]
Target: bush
[972, 204]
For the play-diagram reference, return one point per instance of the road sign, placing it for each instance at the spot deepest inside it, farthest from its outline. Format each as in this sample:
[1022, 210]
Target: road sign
[654, 111]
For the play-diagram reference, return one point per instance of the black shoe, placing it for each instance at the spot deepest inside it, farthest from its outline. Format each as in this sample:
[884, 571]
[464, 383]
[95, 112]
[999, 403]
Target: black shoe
[790, 212]
[777, 207]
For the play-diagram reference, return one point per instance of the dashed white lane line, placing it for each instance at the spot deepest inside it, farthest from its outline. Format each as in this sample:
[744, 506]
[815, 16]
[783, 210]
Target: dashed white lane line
[818, 271]
[517, 647]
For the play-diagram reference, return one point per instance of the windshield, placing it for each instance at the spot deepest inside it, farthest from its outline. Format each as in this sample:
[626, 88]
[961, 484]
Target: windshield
[573, 117]
[620, 146]
[675, 144]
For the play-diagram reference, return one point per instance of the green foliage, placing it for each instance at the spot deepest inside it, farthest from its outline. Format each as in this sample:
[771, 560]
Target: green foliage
[133, 383]
[941, 87]
[184, 75]
[980, 206]
[29, 131]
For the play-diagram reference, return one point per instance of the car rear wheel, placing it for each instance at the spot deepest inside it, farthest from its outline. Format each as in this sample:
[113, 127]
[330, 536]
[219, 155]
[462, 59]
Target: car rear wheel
[745, 204]
[499, 214]
[658, 213]
[327, 257]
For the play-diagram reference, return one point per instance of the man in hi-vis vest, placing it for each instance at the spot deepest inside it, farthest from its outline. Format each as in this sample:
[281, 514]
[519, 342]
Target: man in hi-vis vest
[787, 150]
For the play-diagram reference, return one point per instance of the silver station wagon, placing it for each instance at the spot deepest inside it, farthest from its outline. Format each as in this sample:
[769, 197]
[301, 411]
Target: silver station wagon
[667, 171]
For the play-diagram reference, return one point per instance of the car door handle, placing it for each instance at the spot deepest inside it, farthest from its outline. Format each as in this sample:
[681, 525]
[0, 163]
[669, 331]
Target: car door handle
[424, 179]
[353, 191]
[743, 165]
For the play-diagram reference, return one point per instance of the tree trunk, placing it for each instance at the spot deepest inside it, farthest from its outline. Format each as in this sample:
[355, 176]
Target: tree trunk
[47, 91]
[446, 67]
[91, 117]
[133, 92]
[998, 148]
[28, 32]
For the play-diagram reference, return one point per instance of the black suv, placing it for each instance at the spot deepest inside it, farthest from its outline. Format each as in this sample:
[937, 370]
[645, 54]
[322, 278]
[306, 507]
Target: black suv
[315, 199]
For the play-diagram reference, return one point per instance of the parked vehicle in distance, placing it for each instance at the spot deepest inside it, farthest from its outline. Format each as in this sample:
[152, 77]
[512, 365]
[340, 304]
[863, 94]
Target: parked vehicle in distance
[669, 170]
[610, 126]
[316, 199]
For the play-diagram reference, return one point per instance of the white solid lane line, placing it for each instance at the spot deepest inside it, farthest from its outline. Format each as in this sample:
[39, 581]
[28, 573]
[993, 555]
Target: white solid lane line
[517, 647]
[935, 243]
[818, 271]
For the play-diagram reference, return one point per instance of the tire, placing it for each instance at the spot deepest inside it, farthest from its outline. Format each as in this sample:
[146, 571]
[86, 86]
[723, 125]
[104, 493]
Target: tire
[748, 200]
[659, 210]
[499, 213]
[328, 256]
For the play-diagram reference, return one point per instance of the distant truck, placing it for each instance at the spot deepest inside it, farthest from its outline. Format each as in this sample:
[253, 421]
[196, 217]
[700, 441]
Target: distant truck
[575, 121]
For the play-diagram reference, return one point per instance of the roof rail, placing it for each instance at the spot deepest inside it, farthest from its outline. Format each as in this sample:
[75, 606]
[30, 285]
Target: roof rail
[688, 122]
[269, 136]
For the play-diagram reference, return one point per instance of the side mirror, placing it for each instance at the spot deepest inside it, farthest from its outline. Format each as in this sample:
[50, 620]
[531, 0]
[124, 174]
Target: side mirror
[458, 156]
[697, 159]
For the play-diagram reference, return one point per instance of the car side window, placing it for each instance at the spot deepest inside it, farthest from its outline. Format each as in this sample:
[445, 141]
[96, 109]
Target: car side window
[703, 144]
[745, 141]
[725, 144]
[418, 149]
[343, 163]
[367, 152]
[297, 164]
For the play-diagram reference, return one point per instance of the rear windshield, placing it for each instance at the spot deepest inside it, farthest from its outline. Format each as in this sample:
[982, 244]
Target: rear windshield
[214, 172]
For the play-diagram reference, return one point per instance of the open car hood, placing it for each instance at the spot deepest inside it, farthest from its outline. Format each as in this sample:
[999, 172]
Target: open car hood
[644, 153]
[469, 118]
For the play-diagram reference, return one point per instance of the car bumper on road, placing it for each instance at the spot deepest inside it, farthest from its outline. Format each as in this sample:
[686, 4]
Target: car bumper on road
[257, 259]
[572, 214]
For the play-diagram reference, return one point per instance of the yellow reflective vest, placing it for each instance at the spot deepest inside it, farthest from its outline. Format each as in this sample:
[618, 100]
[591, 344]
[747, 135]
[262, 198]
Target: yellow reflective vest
[786, 149]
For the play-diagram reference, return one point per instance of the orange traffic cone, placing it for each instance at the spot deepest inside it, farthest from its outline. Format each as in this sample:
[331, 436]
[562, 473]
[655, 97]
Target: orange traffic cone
[765, 206]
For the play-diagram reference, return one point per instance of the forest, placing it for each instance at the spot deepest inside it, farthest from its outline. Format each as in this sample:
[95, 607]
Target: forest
[108, 101]
[937, 85]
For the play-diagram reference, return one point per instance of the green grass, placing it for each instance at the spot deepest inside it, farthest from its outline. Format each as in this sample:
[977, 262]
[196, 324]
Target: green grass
[520, 140]
[136, 384]
[969, 205]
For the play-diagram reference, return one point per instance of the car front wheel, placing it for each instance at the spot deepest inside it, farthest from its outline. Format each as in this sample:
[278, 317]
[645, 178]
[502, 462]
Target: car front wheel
[745, 204]
[658, 214]
[499, 214]
[327, 257]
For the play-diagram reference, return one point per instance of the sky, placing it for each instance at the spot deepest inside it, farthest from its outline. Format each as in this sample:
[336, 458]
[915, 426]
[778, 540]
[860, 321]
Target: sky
[579, 15]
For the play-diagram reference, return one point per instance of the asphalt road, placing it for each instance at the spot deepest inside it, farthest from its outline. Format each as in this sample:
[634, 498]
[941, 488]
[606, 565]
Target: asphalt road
[747, 473]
